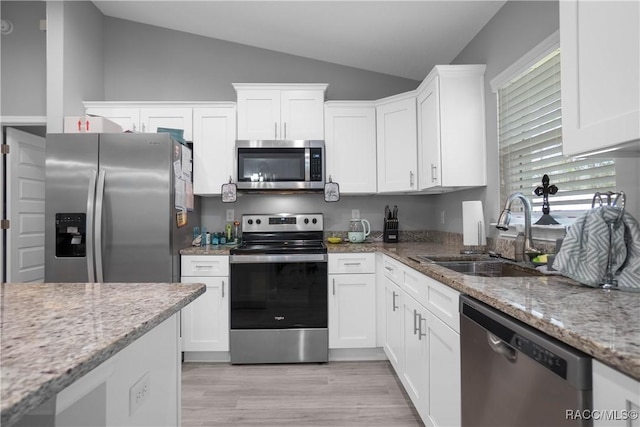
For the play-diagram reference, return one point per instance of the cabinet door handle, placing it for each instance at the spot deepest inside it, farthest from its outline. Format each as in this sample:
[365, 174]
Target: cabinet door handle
[143, 128]
[285, 130]
[420, 333]
[411, 178]
[223, 289]
[434, 169]
[393, 302]
[389, 269]
[352, 264]
[275, 130]
[415, 323]
[334, 286]
[133, 127]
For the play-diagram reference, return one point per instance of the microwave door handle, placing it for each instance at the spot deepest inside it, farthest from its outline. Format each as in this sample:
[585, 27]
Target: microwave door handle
[307, 164]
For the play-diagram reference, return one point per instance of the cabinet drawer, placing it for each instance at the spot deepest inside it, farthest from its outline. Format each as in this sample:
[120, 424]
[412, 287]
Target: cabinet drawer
[205, 265]
[352, 263]
[414, 284]
[392, 270]
[443, 302]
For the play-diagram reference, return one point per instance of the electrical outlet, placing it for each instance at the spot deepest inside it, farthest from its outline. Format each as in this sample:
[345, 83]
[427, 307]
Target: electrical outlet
[231, 215]
[355, 213]
[442, 217]
[139, 393]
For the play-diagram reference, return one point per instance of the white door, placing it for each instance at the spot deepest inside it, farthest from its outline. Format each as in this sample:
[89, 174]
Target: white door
[25, 207]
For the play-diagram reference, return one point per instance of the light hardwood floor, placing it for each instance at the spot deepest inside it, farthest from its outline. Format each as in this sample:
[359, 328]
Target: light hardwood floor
[331, 394]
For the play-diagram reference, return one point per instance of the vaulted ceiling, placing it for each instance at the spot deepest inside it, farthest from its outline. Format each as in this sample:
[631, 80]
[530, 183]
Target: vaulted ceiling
[400, 38]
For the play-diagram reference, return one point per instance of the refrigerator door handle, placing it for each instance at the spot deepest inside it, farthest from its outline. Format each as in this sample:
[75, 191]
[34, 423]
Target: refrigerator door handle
[98, 225]
[91, 200]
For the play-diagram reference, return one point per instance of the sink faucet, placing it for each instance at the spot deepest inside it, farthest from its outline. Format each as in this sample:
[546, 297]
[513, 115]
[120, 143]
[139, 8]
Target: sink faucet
[505, 218]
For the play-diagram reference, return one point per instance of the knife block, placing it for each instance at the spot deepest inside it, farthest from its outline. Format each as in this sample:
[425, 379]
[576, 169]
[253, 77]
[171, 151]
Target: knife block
[390, 234]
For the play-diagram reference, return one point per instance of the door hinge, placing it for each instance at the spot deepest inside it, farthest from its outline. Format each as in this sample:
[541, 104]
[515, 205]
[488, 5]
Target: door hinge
[5, 149]
[5, 224]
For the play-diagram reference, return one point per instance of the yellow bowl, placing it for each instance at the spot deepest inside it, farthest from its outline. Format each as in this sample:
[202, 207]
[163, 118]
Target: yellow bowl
[334, 239]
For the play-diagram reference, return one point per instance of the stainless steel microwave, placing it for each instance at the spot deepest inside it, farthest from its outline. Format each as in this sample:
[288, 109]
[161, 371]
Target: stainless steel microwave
[280, 165]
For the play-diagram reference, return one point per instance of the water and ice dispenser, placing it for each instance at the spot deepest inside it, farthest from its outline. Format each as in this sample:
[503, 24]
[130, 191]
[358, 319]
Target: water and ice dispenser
[71, 235]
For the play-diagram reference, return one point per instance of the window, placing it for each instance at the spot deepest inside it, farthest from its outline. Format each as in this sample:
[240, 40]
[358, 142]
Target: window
[530, 142]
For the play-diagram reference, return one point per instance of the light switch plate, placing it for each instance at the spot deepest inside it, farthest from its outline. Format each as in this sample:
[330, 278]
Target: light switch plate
[355, 213]
[231, 215]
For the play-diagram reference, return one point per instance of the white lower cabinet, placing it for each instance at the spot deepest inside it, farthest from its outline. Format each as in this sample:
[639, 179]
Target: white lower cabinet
[352, 301]
[443, 398]
[205, 322]
[616, 398]
[423, 345]
[394, 339]
[415, 355]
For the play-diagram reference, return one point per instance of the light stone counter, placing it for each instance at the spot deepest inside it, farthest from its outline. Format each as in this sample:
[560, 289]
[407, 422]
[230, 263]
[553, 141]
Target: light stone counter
[603, 324]
[52, 334]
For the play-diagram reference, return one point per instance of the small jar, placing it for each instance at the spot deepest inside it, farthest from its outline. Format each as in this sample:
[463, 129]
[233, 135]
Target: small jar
[215, 240]
[223, 239]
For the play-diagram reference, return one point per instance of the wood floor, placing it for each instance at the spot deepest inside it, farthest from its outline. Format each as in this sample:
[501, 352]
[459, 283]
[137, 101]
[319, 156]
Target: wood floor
[331, 394]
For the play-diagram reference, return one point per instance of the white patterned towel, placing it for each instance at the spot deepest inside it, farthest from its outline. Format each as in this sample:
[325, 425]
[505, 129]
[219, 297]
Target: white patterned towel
[584, 251]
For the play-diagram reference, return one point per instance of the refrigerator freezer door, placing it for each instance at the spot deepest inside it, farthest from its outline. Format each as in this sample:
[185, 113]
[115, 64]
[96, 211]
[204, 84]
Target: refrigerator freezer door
[137, 207]
[71, 165]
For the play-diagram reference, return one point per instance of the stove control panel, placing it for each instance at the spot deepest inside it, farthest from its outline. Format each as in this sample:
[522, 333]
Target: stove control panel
[265, 223]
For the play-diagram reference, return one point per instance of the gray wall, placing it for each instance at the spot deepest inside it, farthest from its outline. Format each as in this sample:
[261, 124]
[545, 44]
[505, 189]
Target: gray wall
[517, 28]
[413, 211]
[74, 59]
[148, 63]
[23, 52]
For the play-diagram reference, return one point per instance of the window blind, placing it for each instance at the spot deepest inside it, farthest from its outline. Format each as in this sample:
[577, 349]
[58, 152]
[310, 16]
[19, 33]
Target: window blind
[530, 143]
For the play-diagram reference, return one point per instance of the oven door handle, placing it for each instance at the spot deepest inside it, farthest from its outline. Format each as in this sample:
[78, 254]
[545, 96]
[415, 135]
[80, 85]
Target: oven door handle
[281, 258]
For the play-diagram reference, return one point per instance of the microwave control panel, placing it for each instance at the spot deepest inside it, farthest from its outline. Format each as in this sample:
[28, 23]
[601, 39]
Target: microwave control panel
[315, 171]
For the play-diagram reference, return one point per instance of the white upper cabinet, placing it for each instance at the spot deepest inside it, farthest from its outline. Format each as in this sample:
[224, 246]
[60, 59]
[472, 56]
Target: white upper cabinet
[397, 144]
[280, 111]
[350, 140]
[214, 135]
[127, 117]
[146, 117]
[600, 49]
[451, 129]
[167, 117]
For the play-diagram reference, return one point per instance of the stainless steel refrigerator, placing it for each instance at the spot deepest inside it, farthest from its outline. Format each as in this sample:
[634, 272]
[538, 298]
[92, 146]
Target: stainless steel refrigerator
[116, 207]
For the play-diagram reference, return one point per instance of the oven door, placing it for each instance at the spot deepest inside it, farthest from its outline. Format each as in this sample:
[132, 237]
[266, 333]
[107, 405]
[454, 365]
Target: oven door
[278, 291]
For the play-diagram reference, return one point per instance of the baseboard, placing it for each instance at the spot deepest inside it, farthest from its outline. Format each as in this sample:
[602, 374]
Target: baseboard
[206, 356]
[356, 354]
[335, 355]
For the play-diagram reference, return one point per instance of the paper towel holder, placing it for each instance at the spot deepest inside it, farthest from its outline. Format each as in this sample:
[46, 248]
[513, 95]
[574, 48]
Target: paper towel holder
[473, 222]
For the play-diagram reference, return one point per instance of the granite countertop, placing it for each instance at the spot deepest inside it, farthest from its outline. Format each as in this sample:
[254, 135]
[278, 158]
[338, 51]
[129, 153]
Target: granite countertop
[603, 324]
[53, 333]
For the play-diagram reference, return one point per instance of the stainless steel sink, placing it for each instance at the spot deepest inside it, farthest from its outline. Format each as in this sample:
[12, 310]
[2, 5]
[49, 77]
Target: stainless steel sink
[494, 268]
[479, 265]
